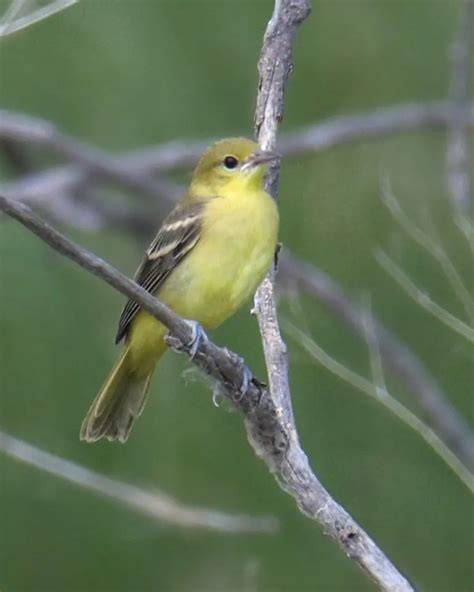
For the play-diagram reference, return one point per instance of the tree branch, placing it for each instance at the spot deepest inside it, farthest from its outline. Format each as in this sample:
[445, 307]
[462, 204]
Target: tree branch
[157, 505]
[291, 467]
[97, 162]
[322, 136]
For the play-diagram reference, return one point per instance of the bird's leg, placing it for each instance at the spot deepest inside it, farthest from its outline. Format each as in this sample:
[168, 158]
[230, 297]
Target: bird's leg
[197, 337]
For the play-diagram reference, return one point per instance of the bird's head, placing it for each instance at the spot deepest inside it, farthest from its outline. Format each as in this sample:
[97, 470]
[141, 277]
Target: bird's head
[234, 163]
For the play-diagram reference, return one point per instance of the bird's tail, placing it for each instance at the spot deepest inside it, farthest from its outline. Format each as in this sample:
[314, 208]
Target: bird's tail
[119, 402]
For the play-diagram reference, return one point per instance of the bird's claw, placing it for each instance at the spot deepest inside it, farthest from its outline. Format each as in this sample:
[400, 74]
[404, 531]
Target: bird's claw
[192, 346]
[247, 378]
[197, 337]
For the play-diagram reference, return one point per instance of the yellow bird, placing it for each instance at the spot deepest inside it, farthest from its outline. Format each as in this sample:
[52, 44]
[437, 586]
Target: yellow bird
[208, 257]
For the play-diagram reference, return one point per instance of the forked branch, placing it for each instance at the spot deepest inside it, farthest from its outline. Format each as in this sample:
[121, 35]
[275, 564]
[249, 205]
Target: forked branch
[273, 438]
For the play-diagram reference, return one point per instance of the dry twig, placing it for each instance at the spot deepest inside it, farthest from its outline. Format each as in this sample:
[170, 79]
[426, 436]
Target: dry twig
[387, 400]
[155, 504]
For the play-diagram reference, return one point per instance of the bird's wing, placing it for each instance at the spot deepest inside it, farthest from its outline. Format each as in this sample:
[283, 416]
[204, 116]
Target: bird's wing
[178, 234]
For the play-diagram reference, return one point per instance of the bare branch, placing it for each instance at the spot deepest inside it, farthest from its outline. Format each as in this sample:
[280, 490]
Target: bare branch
[274, 440]
[274, 67]
[23, 128]
[10, 24]
[382, 396]
[291, 466]
[180, 154]
[396, 356]
[380, 123]
[315, 138]
[422, 298]
[46, 191]
[157, 505]
[458, 165]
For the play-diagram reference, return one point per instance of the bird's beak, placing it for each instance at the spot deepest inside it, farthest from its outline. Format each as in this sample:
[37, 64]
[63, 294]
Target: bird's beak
[258, 158]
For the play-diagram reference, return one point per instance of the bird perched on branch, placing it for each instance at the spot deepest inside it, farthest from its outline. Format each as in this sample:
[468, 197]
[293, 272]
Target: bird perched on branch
[207, 259]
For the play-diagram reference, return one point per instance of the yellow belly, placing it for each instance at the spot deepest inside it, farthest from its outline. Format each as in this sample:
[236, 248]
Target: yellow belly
[221, 272]
[224, 268]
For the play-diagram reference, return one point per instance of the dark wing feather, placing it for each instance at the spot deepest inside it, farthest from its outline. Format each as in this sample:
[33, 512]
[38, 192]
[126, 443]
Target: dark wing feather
[178, 234]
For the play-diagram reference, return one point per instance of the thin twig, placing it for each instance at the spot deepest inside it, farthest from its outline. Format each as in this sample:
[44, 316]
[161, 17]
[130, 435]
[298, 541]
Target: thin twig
[397, 356]
[458, 165]
[155, 504]
[431, 246]
[375, 357]
[383, 396]
[273, 438]
[422, 298]
[10, 25]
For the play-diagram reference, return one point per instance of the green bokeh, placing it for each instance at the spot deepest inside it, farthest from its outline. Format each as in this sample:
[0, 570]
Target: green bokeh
[124, 74]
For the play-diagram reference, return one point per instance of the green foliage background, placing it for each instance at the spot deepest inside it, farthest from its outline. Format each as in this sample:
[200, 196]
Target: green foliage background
[126, 73]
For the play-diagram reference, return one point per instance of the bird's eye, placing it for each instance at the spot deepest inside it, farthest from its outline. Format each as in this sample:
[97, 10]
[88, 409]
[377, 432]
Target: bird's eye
[230, 162]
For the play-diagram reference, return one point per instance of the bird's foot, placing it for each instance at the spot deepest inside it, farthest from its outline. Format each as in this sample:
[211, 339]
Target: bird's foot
[247, 380]
[198, 336]
[247, 377]
[219, 392]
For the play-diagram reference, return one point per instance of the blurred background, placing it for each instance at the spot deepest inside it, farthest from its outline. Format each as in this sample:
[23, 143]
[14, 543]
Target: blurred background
[126, 74]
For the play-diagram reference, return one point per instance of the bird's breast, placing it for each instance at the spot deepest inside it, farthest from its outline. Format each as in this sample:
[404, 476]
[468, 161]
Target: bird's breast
[234, 252]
